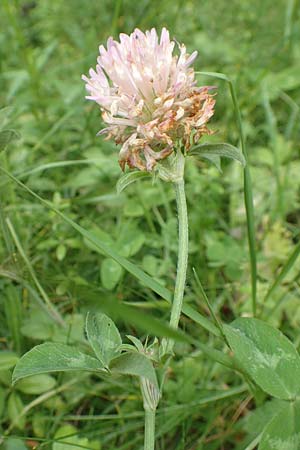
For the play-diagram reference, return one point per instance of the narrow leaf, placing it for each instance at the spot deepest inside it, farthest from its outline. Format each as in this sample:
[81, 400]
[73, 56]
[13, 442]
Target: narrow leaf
[129, 178]
[15, 407]
[110, 273]
[266, 355]
[104, 337]
[135, 317]
[215, 160]
[284, 271]
[6, 136]
[125, 263]
[221, 150]
[156, 327]
[54, 357]
[248, 194]
[216, 320]
[134, 364]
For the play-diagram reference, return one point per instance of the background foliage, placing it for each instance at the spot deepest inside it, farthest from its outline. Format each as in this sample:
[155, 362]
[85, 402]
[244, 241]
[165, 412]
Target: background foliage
[44, 48]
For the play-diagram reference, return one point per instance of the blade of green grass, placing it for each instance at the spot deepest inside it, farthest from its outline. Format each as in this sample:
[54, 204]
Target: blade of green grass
[34, 294]
[156, 327]
[283, 273]
[288, 25]
[210, 398]
[273, 133]
[295, 109]
[129, 266]
[248, 195]
[13, 312]
[52, 310]
[135, 317]
[5, 232]
[216, 320]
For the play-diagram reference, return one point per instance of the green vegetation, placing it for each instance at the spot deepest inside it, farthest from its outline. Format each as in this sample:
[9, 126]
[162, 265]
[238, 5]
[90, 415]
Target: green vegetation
[58, 247]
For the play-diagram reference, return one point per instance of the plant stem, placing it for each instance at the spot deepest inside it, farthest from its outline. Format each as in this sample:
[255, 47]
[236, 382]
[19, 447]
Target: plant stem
[149, 443]
[182, 257]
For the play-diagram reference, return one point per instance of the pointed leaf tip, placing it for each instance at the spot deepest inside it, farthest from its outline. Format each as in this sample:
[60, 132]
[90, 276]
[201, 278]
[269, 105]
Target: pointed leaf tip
[208, 151]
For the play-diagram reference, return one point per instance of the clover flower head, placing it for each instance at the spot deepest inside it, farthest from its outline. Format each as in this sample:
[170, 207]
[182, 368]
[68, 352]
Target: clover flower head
[148, 97]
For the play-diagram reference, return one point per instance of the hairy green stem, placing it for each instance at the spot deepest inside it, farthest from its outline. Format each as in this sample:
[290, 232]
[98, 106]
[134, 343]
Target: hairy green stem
[150, 394]
[182, 257]
[149, 434]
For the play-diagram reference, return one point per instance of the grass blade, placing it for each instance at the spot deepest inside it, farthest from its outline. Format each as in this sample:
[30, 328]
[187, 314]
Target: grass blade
[248, 195]
[153, 326]
[216, 320]
[129, 266]
[283, 273]
[52, 310]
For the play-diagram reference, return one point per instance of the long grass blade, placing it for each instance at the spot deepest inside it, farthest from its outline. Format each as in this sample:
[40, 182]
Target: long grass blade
[283, 273]
[129, 266]
[203, 293]
[248, 195]
[52, 310]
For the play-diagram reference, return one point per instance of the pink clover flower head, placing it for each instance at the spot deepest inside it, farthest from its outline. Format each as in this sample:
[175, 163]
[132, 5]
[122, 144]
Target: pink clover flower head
[148, 97]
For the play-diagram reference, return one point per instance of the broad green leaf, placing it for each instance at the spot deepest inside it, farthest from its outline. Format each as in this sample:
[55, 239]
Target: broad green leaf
[13, 444]
[266, 355]
[54, 357]
[135, 364]
[5, 378]
[104, 337]
[133, 209]
[283, 432]
[61, 252]
[8, 359]
[110, 273]
[102, 236]
[255, 421]
[6, 136]
[15, 408]
[67, 439]
[129, 178]
[130, 240]
[36, 384]
[220, 150]
[150, 264]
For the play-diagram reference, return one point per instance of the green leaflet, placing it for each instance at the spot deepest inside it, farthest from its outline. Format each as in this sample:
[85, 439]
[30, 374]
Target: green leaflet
[104, 337]
[283, 432]
[54, 357]
[134, 364]
[268, 356]
[210, 151]
[6, 136]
